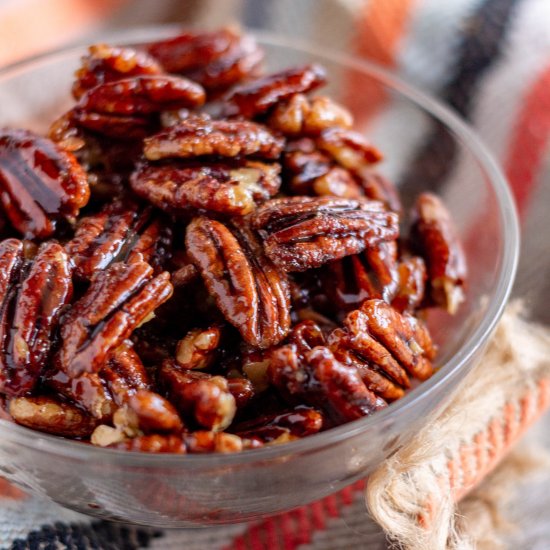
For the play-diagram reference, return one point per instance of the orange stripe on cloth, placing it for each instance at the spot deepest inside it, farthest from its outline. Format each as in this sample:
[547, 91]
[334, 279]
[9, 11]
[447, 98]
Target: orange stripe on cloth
[28, 27]
[530, 136]
[379, 29]
[290, 530]
[9, 491]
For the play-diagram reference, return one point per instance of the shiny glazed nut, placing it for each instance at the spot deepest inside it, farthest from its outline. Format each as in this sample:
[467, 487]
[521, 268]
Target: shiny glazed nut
[436, 237]
[115, 126]
[412, 284]
[119, 300]
[30, 307]
[40, 183]
[198, 136]
[204, 398]
[154, 443]
[241, 389]
[105, 63]
[309, 117]
[256, 97]
[197, 349]
[213, 442]
[47, 414]
[378, 188]
[249, 290]
[303, 232]
[222, 188]
[143, 95]
[154, 413]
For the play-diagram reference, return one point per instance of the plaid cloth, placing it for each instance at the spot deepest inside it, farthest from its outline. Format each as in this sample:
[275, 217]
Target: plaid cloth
[489, 59]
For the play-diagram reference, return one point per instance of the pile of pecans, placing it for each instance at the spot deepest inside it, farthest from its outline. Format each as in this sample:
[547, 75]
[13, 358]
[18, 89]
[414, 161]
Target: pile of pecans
[199, 258]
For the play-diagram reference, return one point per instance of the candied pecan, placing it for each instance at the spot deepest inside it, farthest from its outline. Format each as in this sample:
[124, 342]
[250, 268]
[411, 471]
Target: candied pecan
[319, 379]
[249, 290]
[300, 422]
[377, 187]
[40, 183]
[228, 189]
[198, 136]
[118, 233]
[142, 95]
[350, 149]
[305, 232]
[29, 311]
[241, 389]
[154, 443]
[87, 390]
[198, 348]
[154, 413]
[412, 284]
[116, 126]
[47, 414]
[203, 397]
[184, 275]
[309, 117]
[105, 63]
[395, 344]
[119, 299]
[257, 96]
[372, 274]
[213, 442]
[436, 237]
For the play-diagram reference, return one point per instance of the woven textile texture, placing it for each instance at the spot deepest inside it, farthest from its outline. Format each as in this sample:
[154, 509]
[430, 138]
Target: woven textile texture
[490, 60]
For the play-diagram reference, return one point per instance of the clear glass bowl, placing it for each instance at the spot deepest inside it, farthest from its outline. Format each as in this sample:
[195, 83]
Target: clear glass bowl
[183, 491]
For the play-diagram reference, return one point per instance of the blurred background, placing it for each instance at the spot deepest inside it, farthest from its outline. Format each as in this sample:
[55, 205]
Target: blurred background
[488, 59]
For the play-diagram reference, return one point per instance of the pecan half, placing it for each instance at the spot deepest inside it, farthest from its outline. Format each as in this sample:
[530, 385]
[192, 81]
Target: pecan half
[436, 237]
[303, 232]
[154, 413]
[115, 126]
[223, 188]
[350, 149]
[256, 97]
[119, 300]
[143, 95]
[47, 414]
[204, 398]
[40, 183]
[378, 188]
[395, 344]
[371, 274]
[118, 233]
[105, 63]
[250, 291]
[198, 136]
[301, 116]
[29, 311]
[317, 378]
[412, 284]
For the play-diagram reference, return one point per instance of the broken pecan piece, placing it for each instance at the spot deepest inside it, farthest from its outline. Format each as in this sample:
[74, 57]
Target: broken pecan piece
[301, 116]
[198, 348]
[142, 95]
[29, 311]
[222, 188]
[199, 136]
[437, 239]
[250, 291]
[256, 97]
[154, 443]
[412, 284]
[47, 414]
[205, 398]
[40, 183]
[105, 63]
[304, 232]
[119, 300]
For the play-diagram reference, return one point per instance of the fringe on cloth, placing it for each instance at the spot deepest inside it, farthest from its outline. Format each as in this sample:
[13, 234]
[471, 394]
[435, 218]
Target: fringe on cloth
[413, 494]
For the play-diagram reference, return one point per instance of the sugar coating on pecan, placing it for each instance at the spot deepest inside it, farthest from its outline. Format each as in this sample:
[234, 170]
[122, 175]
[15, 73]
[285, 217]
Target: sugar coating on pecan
[248, 288]
[303, 232]
[197, 136]
[232, 189]
[40, 183]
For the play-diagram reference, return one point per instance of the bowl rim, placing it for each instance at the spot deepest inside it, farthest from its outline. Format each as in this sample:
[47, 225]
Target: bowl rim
[508, 265]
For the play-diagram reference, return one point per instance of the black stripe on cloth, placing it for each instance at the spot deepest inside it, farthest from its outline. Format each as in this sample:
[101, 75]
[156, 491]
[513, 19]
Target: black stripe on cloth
[99, 535]
[481, 45]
